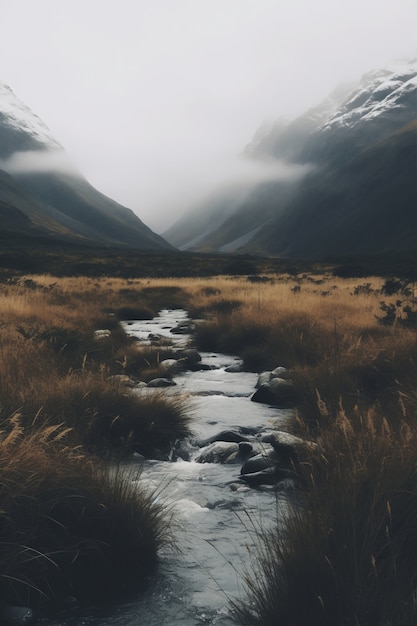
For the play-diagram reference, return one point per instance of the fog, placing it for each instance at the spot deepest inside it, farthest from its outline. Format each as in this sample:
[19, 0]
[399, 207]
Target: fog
[31, 161]
[154, 100]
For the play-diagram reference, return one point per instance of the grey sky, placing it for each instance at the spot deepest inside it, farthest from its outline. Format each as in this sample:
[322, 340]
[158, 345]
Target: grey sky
[153, 99]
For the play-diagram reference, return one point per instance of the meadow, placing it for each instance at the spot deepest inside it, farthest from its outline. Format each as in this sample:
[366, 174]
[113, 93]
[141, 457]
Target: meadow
[349, 551]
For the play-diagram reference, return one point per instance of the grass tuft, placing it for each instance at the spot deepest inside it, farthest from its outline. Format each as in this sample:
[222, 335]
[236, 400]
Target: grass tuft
[68, 526]
[347, 553]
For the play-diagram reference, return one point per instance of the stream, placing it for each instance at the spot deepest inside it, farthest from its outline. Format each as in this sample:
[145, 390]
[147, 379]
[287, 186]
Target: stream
[216, 514]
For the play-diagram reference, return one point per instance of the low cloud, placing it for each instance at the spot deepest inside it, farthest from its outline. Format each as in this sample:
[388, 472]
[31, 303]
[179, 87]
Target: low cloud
[38, 161]
[233, 176]
[251, 172]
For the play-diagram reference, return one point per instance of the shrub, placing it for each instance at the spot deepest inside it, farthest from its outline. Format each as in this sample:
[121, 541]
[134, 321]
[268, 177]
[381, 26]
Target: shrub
[394, 285]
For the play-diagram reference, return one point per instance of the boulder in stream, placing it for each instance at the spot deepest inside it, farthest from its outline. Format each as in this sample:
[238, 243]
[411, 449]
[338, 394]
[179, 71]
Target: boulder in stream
[224, 452]
[184, 328]
[171, 366]
[262, 460]
[218, 452]
[278, 392]
[224, 435]
[235, 368]
[161, 382]
[264, 378]
[279, 372]
[280, 439]
[269, 476]
[189, 356]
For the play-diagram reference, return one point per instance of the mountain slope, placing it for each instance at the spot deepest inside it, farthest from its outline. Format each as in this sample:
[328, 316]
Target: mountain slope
[89, 213]
[360, 195]
[368, 205]
[43, 195]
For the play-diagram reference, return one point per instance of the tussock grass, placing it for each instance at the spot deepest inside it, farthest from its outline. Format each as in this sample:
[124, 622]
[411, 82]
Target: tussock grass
[67, 525]
[347, 554]
[261, 344]
[376, 370]
[102, 416]
[143, 362]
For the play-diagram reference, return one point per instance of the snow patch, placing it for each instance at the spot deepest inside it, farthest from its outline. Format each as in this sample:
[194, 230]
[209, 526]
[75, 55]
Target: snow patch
[379, 92]
[18, 115]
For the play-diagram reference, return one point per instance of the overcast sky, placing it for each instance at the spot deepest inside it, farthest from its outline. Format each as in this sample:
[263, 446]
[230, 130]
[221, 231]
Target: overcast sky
[154, 99]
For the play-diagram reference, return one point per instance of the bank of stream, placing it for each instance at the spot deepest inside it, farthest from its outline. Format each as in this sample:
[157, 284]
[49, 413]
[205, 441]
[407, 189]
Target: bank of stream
[215, 514]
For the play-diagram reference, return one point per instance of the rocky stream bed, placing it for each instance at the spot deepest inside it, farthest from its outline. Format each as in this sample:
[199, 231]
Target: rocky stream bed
[232, 477]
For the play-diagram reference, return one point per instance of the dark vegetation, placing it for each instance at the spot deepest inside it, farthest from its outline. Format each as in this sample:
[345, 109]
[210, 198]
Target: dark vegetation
[19, 253]
[68, 527]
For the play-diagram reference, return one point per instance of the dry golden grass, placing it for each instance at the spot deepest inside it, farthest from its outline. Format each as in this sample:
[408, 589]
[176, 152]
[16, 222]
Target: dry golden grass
[355, 377]
[322, 324]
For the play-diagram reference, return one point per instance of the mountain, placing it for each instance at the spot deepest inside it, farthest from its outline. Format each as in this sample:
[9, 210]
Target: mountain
[44, 197]
[359, 195]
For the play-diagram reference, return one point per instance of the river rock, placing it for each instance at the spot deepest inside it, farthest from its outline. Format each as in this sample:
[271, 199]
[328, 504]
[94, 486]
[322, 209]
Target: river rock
[268, 476]
[235, 368]
[218, 452]
[263, 379]
[257, 462]
[189, 356]
[279, 372]
[171, 366]
[246, 449]
[277, 392]
[224, 435]
[288, 448]
[161, 382]
[281, 437]
[202, 367]
[102, 333]
[183, 329]
[225, 452]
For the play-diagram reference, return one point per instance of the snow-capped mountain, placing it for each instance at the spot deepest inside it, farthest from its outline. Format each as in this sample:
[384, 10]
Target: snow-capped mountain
[20, 128]
[43, 195]
[360, 194]
[379, 93]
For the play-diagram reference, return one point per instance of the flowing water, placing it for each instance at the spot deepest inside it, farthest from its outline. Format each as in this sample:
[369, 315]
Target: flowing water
[216, 515]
